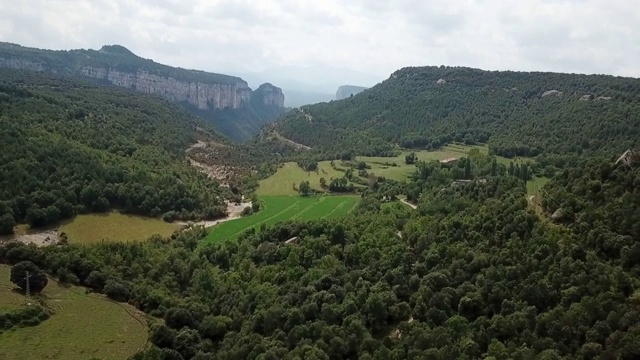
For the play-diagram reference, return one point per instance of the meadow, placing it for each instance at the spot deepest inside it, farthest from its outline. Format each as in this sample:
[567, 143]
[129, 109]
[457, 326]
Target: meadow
[381, 166]
[82, 326]
[288, 174]
[114, 226]
[282, 208]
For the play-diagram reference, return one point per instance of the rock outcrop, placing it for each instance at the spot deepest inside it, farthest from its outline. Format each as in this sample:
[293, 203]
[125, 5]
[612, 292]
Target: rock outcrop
[552, 93]
[269, 95]
[346, 91]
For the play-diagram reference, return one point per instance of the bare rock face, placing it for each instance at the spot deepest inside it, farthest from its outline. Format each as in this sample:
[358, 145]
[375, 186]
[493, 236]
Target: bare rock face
[441, 81]
[202, 95]
[605, 98]
[346, 91]
[13, 63]
[269, 95]
[585, 98]
[552, 93]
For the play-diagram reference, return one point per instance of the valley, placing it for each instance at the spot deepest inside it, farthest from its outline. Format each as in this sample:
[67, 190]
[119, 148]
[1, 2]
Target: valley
[444, 213]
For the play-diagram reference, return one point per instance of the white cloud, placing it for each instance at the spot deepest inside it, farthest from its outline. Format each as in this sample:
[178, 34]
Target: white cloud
[376, 37]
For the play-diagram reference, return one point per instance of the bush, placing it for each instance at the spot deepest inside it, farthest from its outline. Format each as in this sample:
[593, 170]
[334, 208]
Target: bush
[117, 291]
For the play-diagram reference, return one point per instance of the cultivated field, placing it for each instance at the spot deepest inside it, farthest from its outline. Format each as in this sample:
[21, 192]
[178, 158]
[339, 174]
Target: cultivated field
[114, 226]
[282, 208]
[83, 326]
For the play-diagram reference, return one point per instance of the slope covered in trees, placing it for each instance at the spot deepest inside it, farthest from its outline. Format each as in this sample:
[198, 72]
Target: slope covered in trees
[517, 113]
[70, 147]
[472, 273]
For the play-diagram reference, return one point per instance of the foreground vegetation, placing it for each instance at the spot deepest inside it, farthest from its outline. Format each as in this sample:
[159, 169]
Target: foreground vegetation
[471, 273]
[81, 326]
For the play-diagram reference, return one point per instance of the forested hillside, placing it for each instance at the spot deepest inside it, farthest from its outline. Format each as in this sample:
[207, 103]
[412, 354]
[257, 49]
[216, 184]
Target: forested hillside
[71, 147]
[472, 273]
[517, 113]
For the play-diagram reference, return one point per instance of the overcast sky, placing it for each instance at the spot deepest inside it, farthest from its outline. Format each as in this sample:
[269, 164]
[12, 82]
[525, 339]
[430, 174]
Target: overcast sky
[369, 36]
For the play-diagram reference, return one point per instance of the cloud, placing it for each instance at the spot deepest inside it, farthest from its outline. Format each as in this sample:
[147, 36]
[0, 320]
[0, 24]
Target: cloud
[369, 36]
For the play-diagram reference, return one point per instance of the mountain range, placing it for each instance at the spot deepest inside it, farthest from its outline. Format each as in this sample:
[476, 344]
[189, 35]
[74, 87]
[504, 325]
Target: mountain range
[226, 101]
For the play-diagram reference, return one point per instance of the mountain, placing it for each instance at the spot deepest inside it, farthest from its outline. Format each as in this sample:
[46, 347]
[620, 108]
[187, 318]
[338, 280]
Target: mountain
[346, 91]
[310, 84]
[71, 146]
[245, 111]
[516, 113]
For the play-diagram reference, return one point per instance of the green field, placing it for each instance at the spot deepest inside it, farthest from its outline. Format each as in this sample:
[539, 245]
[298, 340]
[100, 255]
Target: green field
[402, 171]
[83, 326]
[288, 174]
[534, 185]
[282, 208]
[114, 226]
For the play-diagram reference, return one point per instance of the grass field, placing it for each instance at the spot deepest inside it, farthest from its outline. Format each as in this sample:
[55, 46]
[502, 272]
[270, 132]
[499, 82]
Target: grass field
[281, 183]
[82, 326]
[534, 186]
[402, 171]
[114, 226]
[281, 208]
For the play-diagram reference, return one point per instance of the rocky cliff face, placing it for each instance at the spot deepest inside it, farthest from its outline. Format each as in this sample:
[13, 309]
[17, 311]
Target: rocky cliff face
[346, 91]
[270, 95]
[204, 96]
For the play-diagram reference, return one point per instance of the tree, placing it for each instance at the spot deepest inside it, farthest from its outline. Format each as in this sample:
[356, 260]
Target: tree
[304, 188]
[323, 182]
[37, 278]
[411, 158]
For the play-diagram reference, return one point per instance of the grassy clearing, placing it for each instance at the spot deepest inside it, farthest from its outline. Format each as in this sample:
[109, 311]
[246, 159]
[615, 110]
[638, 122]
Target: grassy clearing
[534, 185]
[9, 300]
[281, 183]
[114, 226]
[83, 326]
[282, 208]
[402, 171]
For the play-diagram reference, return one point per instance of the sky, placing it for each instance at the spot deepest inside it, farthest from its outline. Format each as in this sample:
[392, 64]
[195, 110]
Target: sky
[368, 39]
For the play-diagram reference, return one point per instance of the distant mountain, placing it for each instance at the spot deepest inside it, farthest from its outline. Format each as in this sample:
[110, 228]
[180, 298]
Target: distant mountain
[346, 91]
[245, 111]
[309, 85]
[516, 113]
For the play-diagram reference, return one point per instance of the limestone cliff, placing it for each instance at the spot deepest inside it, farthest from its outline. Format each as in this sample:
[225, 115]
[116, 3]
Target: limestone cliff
[270, 95]
[204, 96]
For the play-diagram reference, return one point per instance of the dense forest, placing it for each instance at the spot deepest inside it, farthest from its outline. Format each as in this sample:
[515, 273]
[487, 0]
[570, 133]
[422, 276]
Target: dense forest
[70, 147]
[472, 273]
[516, 113]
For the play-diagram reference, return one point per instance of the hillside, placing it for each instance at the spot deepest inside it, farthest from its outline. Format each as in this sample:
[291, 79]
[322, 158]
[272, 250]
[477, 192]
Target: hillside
[70, 146]
[226, 101]
[517, 113]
